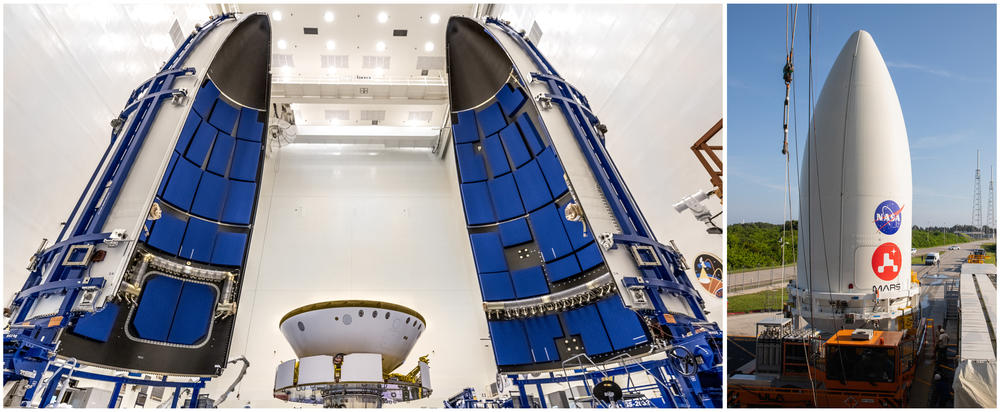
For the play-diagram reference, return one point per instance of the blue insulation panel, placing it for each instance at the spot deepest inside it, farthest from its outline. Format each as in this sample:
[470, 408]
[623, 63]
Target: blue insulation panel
[491, 119]
[495, 156]
[229, 247]
[249, 127]
[197, 152]
[589, 256]
[529, 282]
[193, 317]
[530, 133]
[170, 169]
[97, 325]
[563, 268]
[199, 239]
[190, 127]
[506, 200]
[470, 163]
[478, 203]
[206, 98]
[239, 202]
[183, 184]
[586, 322]
[510, 344]
[511, 138]
[496, 286]
[510, 99]
[548, 230]
[515, 232]
[622, 324]
[156, 308]
[465, 130]
[488, 252]
[222, 151]
[245, 161]
[553, 172]
[167, 233]
[531, 183]
[224, 117]
[542, 332]
[209, 199]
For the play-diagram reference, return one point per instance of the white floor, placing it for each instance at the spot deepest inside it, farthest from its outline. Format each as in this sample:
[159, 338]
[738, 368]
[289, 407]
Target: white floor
[358, 224]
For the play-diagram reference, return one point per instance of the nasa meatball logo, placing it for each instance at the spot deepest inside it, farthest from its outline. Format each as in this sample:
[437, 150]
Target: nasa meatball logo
[887, 261]
[888, 217]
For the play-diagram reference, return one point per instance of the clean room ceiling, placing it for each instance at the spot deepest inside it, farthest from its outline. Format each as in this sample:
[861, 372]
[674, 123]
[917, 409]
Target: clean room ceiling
[349, 65]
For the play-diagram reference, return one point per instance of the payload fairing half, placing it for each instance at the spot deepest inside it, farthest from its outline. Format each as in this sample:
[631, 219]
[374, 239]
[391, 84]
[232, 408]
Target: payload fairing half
[147, 271]
[856, 201]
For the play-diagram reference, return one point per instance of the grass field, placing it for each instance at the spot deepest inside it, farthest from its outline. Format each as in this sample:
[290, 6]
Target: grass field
[768, 299]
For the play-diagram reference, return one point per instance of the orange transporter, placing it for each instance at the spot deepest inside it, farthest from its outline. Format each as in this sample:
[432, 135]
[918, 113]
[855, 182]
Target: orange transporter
[853, 368]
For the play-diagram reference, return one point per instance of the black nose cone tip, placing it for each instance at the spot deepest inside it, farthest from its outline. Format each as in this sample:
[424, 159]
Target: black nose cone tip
[477, 65]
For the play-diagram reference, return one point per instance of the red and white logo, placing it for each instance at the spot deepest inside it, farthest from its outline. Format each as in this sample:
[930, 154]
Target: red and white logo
[887, 261]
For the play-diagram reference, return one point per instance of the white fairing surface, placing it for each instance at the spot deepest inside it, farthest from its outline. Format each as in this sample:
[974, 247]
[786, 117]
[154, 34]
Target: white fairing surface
[856, 202]
[341, 330]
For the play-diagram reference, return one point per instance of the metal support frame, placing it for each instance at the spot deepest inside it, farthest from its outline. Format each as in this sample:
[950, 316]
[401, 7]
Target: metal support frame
[120, 381]
[29, 347]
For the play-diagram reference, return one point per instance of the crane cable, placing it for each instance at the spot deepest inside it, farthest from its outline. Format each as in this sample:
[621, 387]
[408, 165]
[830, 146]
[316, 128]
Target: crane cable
[787, 76]
[789, 69]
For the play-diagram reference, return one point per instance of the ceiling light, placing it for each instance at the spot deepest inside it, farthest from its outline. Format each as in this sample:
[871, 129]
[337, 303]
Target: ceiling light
[276, 15]
[435, 18]
[380, 46]
[382, 17]
[330, 45]
[328, 16]
[282, 44]
[429, 46]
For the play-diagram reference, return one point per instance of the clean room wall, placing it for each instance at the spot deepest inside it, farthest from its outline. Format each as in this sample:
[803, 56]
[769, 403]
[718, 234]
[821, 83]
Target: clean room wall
[653, 75]
[339, 222]
[68, 70]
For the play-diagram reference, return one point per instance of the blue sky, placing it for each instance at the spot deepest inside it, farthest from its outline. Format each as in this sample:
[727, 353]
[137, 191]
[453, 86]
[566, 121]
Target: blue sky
[942, 59]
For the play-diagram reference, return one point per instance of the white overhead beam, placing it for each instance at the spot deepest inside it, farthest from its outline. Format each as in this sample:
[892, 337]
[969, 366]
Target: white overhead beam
[355, 100]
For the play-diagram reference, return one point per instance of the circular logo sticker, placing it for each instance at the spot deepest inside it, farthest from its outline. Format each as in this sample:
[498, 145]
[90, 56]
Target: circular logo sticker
[708, 269]
[887, 261]
[888, 217]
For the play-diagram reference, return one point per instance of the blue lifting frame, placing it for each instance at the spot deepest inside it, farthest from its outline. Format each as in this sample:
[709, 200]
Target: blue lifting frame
[694, 334]
[29, 346]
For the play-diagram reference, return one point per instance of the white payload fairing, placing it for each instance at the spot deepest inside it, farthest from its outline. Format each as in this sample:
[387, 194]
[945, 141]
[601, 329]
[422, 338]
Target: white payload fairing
[855, 201]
